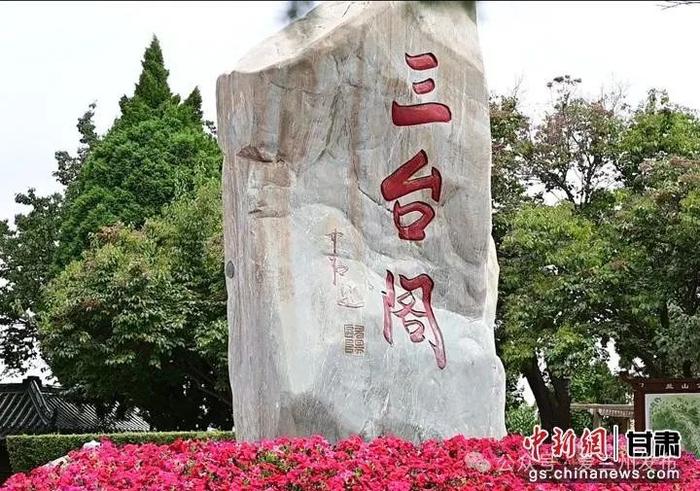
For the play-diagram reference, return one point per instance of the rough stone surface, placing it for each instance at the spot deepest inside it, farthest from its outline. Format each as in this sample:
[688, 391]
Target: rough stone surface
[305, 122]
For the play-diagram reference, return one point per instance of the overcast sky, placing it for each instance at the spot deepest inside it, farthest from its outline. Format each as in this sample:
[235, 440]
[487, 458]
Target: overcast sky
[56, 58]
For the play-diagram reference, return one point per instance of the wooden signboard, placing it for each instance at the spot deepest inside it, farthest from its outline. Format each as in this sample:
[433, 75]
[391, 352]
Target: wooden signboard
[666, 403]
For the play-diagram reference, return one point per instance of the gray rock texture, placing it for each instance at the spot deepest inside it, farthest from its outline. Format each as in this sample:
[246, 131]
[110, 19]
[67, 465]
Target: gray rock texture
[361, 273]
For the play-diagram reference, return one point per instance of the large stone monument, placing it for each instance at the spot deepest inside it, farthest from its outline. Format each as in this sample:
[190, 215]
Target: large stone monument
[361, 273]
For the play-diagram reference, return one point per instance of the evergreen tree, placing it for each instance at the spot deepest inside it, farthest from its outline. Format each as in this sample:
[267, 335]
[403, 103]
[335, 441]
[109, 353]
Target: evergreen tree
[152, 87]
[156, 151]
[136, 314]
[194, 103]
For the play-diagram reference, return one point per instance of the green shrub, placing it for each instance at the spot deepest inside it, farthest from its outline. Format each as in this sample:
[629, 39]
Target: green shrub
[521, 419]
[581, 420]
[30, 451]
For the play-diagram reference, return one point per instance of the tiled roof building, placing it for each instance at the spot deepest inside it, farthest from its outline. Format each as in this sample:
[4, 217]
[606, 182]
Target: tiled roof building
[30, 407]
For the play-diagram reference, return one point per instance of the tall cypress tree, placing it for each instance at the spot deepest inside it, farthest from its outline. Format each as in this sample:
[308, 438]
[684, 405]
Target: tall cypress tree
[194, 103]
[152, 87]
[136, 315]
[156, 151]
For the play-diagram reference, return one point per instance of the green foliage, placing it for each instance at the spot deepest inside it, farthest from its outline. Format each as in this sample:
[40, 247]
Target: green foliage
[654, 292]
[152, 88]
[26, 255]
[139, 287]
[194, 103]
[575, 152]
[510, 149]
[581, 420]
[298, 8]
[69, 166]
[552, 258]
[125, 274]
[593, 383]
[521, 419]
[612, 264]
[30, 451]
[658, 129]
[139, 321]
[468, 5]
[550, 263]
[155, 152]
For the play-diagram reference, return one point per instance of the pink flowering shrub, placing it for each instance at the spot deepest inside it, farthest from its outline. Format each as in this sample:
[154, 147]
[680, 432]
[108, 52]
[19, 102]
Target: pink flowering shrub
[300, 464]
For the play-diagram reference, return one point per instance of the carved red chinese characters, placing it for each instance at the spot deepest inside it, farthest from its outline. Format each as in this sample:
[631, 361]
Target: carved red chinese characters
[424, 86]
[404, 307]
[399, 184]
[429, 112]
[413, 114]
[423, 61]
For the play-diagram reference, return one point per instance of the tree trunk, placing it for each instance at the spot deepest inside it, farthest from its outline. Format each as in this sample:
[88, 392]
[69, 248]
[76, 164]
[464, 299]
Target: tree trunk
[562, 414]
[554, 406]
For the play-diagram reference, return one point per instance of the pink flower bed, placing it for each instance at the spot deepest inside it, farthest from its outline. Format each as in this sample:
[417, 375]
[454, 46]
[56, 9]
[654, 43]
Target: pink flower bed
[302, 464]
